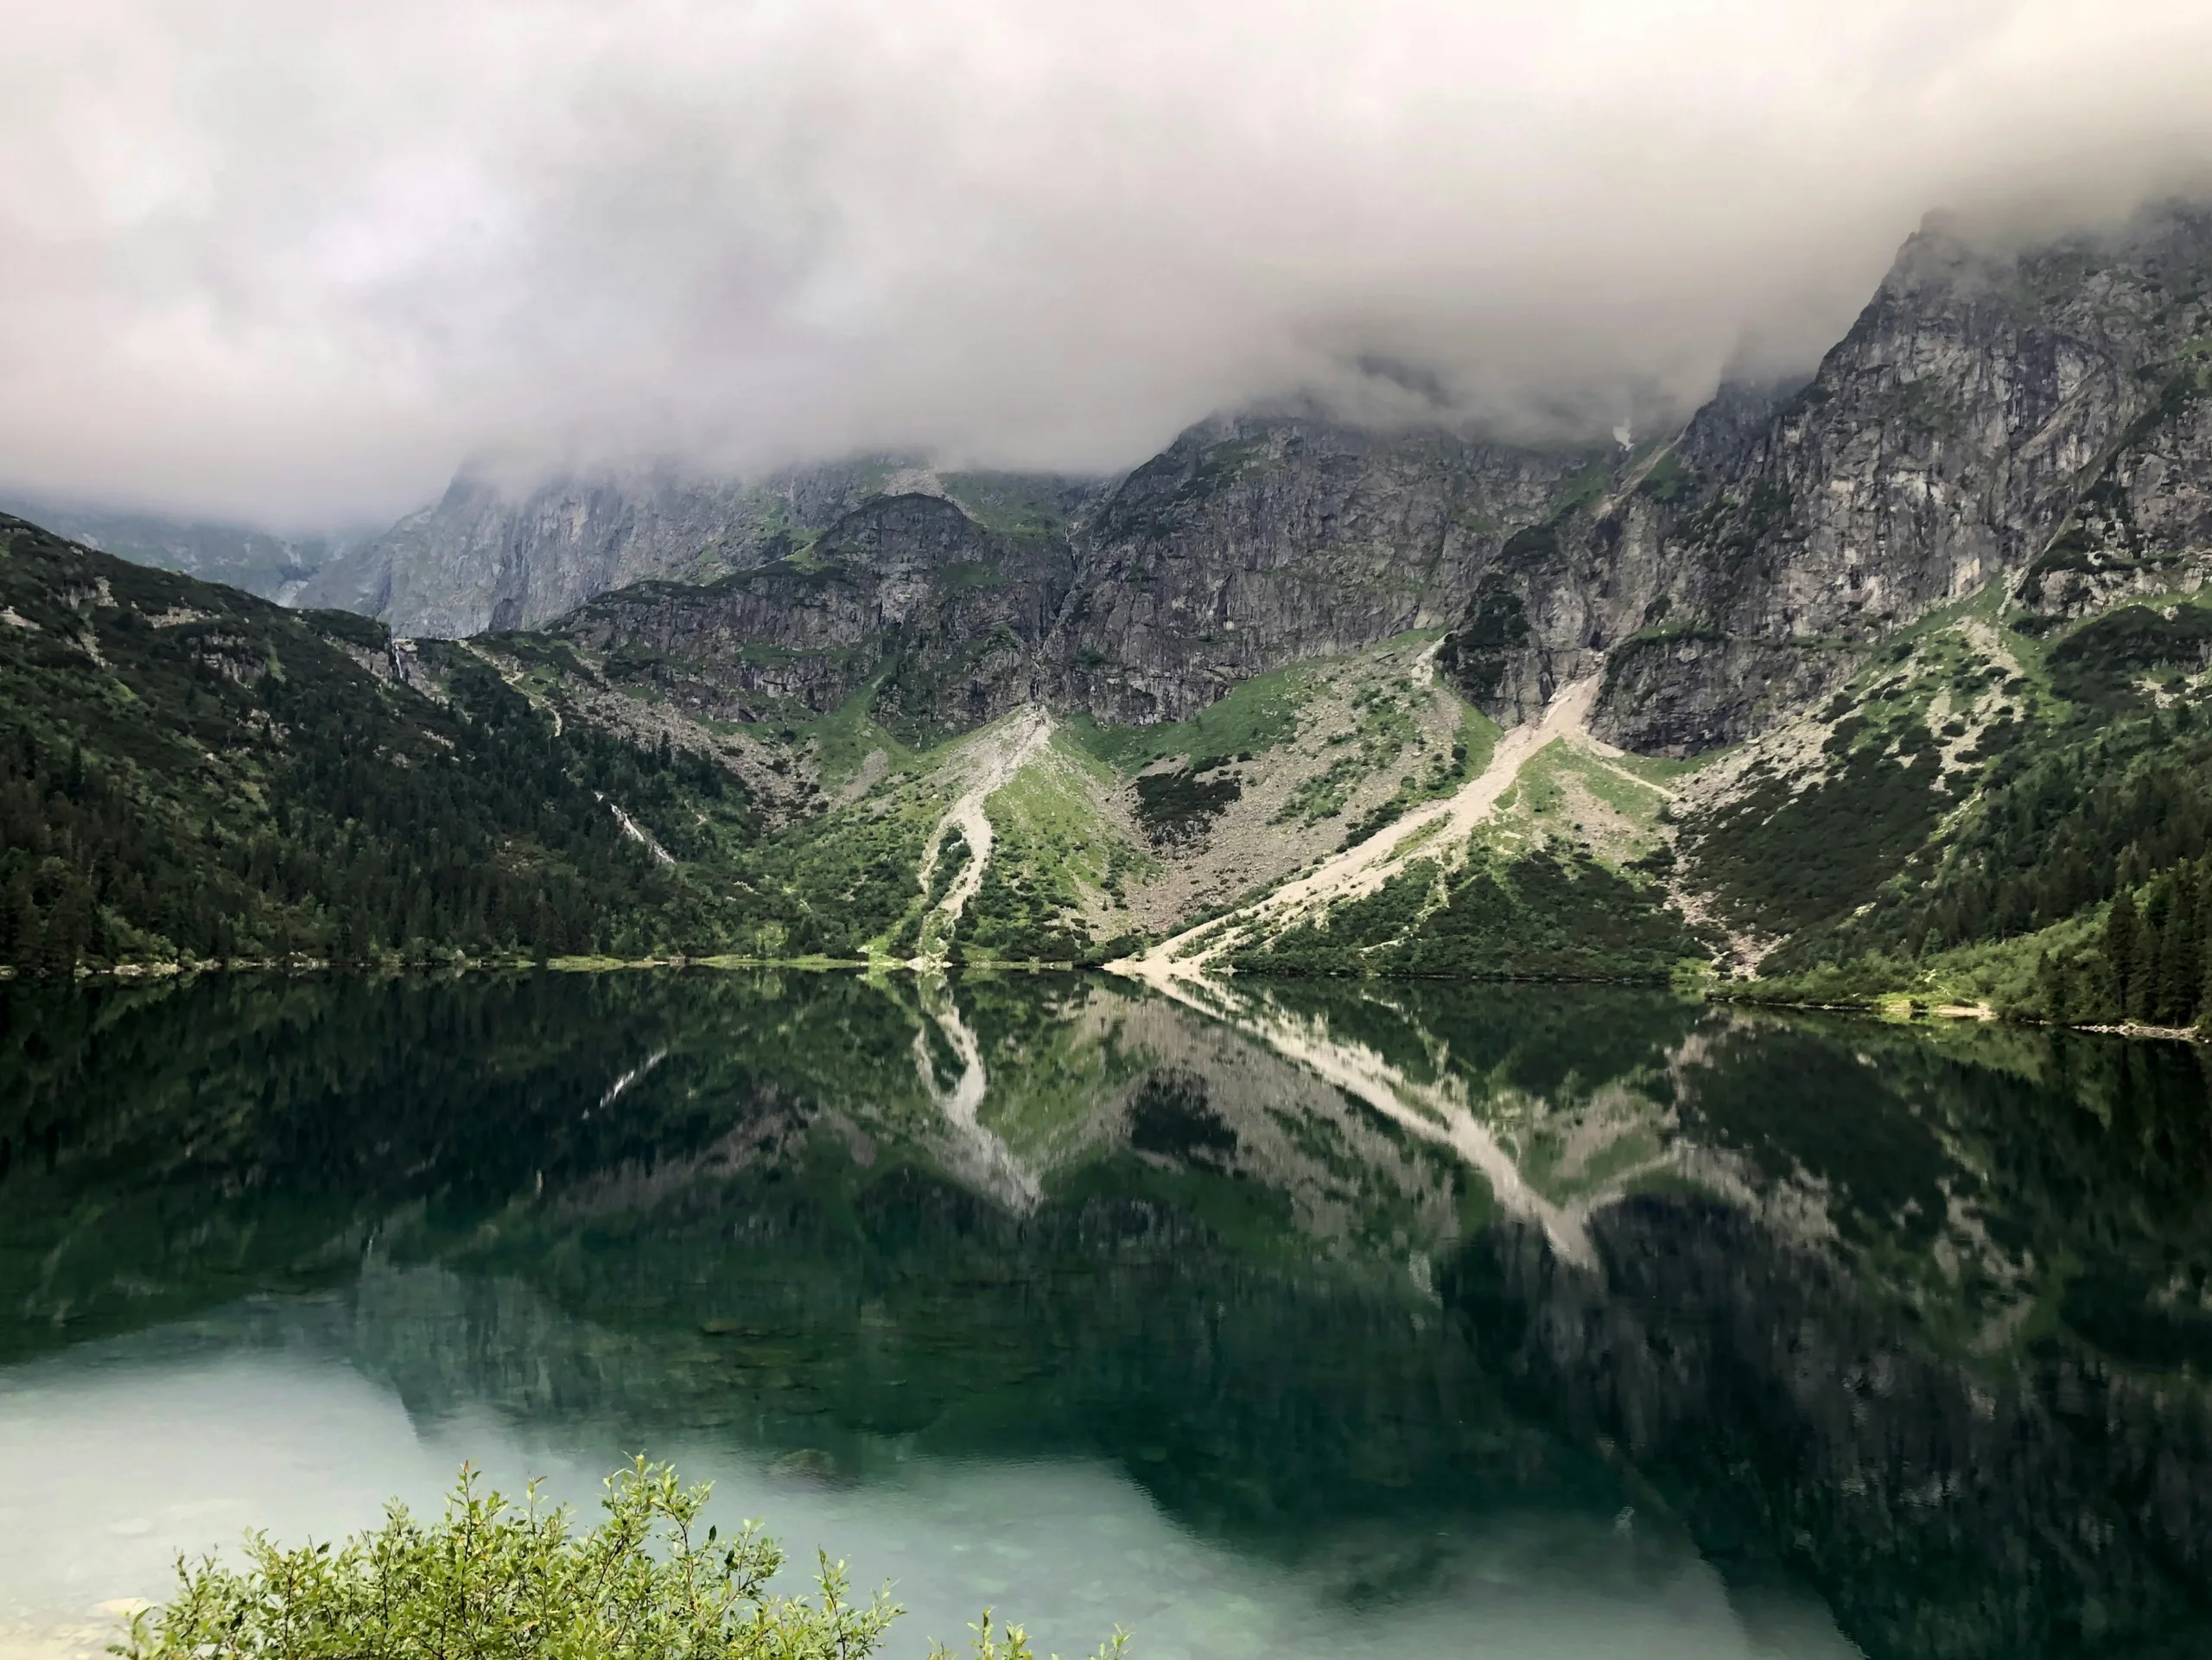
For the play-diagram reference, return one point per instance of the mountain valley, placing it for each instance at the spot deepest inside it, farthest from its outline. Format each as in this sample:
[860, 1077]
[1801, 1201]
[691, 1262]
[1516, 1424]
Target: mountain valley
[1887, 681]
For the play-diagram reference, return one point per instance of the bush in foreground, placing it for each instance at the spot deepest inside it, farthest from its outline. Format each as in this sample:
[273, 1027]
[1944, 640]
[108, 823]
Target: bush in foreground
[494, 1581]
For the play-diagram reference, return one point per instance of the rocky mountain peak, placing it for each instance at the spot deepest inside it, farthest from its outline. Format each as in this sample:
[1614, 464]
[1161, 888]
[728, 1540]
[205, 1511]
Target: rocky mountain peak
[1947, 439]
[2032, 414]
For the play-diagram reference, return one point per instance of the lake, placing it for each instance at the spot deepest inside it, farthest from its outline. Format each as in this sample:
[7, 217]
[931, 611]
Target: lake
[1307, 1319]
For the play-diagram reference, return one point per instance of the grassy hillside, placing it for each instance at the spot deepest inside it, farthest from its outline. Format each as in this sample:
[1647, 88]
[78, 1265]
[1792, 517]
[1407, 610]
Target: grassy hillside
[1547, 912]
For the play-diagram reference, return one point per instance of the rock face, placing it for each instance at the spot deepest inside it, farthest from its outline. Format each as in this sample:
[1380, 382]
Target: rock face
[2145, 525]
[1987, 416]
[2038, 417]
[907, 591]
[1260, 540]
[1248, 545]
[483, 559]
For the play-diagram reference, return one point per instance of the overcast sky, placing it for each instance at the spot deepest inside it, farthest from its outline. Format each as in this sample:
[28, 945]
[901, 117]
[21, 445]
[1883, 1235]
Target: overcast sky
[294, 259]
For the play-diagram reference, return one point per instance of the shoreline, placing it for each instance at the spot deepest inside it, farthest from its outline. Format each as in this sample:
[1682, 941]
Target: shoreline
[1885, 1008]
[1891, 1008]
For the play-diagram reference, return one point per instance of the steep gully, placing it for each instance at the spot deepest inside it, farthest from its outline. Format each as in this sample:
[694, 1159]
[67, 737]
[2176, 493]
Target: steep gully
[1002, 756]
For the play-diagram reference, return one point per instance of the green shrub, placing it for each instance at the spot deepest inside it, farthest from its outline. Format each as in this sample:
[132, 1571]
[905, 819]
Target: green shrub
[494, 1579]
[1539, 915]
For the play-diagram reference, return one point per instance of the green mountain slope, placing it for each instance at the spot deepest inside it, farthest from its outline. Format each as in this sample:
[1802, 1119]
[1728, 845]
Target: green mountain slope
[188, 772]
[1886, 681]
[2002, 808]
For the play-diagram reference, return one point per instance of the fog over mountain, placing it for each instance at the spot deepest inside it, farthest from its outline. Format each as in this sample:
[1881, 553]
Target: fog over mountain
[291, 264]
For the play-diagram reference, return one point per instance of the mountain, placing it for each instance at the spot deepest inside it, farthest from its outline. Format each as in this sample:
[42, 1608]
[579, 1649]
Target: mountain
[1267, 540]
[905, 593]
[1889, 679]
[1973, 415]
[187, 772]
[273, 567]
[1718, 580]
[487, 557]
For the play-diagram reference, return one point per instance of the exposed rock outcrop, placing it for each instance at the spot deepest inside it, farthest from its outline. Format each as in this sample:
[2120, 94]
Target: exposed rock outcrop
[484, 558]
[1983, 410]
[1262, 540]
[906, 590]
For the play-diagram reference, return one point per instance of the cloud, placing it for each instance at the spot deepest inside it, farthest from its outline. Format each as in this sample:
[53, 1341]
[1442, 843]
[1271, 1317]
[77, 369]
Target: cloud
[295, 262]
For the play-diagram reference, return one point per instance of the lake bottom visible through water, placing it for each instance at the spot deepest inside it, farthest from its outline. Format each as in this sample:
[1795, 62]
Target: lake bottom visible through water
[183, 1442]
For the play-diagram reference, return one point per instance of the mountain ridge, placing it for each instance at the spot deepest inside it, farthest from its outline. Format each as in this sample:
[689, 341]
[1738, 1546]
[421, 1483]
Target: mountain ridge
[1721, 576]
[1830, 648]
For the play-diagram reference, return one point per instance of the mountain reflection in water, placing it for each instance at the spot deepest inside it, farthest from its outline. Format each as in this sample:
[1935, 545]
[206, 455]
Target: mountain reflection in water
[1309, 1319]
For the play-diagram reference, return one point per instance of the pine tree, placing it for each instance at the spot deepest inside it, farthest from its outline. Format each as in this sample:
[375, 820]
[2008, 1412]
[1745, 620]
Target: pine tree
[2143, 985]
[64, 936]
[2180, 969]
[2055, 978]
[2122, 948]
[27, 932]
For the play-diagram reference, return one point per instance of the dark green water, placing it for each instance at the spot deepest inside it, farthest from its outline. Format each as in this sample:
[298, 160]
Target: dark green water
[1333, 1320]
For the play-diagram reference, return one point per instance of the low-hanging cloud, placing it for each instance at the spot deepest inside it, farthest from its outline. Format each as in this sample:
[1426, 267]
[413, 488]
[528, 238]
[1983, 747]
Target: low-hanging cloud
[293, 260]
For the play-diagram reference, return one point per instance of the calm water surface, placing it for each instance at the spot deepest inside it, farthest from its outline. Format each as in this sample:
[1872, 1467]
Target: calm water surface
[1319, 1321]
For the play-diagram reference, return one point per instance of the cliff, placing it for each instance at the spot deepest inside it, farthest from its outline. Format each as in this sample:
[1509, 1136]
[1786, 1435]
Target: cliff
[907, 591]
[1260, 540]
[1987, 414]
